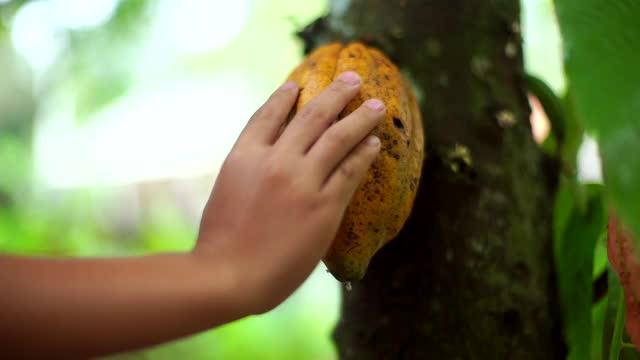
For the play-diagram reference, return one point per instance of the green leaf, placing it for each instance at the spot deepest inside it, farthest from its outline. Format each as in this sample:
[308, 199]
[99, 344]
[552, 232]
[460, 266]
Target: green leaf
[574, 255]
[602, 52]
[573, 130]
[598, 316]
[618, 331]
[614, 292]
[600, 260]
[614, 295]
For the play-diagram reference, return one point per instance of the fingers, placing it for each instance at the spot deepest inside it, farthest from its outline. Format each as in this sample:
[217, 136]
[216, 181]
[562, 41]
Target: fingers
[344, 181]
[314, 118]
[343, 136]
[264, 125]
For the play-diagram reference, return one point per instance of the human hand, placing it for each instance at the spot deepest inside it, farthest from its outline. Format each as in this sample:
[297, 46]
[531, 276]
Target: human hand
[273, 213]
[281, 194]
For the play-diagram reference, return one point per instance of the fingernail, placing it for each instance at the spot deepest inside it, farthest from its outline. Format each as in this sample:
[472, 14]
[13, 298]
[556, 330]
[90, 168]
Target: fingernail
[373, 141]
[349, 77]
[289, 85]
[375, 104]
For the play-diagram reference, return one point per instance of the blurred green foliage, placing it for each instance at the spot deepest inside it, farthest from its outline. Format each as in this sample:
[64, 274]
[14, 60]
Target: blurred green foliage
[574, 257]
[601, 47]
[601, 42]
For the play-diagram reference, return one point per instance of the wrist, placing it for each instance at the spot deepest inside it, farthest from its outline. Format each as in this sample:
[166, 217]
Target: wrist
[222, 280]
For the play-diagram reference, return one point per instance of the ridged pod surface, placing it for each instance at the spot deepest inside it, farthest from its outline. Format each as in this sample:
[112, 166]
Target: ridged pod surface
[383, 201]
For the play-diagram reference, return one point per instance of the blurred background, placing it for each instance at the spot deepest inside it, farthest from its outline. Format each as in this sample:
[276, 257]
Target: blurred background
[115, 116]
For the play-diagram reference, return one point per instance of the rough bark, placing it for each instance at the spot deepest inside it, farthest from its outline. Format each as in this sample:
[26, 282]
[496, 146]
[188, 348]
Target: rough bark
[470, 276]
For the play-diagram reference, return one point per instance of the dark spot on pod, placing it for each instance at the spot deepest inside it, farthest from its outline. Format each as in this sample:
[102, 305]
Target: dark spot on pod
[398, 123]
[386, 136]
[386, 77]
[396, 156]
[395, 142]
[352, 55]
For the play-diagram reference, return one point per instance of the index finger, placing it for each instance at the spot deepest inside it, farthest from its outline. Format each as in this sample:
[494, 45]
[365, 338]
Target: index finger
[264, 125]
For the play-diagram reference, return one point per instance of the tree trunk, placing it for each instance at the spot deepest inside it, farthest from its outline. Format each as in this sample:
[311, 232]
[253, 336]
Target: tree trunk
[471, 275]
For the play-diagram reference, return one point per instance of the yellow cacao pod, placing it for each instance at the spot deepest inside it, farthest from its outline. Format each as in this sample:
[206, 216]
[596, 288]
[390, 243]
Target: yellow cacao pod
[384, 199]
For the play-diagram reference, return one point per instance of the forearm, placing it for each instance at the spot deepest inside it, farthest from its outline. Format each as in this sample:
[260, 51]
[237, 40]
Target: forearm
[85, 307]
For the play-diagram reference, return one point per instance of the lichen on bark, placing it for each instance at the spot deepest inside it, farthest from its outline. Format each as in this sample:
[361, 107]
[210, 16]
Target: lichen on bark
[470, 276]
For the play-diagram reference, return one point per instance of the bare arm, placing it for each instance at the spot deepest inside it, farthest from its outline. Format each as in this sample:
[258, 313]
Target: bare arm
[88, 307]
[273, 212]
